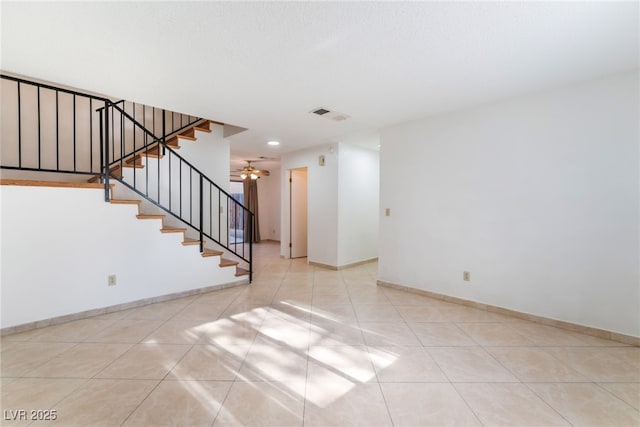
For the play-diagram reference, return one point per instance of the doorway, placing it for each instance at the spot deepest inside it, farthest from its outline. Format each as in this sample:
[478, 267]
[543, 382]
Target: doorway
[298, 213]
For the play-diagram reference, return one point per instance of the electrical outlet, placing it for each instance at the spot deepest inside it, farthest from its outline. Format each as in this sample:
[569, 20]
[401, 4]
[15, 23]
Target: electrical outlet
[387, 212]
[466, 276]
[112, 280]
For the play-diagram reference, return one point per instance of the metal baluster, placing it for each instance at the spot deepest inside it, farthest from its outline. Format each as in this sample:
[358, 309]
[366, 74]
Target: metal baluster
[113, 137]
[19, 128]
[74, 132]
[57, 135]
[146, 166]
[201, 216]
[39, 136]
[211, 210]
[90, 134]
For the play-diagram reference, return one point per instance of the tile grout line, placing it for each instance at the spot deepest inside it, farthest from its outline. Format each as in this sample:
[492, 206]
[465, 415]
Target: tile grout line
[168, 371]
[235, 379]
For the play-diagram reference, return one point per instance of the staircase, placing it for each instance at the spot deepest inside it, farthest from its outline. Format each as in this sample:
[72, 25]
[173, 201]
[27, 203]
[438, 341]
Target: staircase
[54, 130]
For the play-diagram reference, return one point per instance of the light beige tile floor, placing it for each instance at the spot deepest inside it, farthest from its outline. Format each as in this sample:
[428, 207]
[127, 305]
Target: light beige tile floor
[305, 346]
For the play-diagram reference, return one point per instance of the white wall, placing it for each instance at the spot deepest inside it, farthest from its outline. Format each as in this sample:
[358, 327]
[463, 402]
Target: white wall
[322, 202]
[269, 201]
[210, 153]
[538, 197]
[358, 205]
[343, 202]
[60, 244]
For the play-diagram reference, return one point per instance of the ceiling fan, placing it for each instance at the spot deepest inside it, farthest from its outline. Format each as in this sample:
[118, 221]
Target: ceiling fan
[250, 172]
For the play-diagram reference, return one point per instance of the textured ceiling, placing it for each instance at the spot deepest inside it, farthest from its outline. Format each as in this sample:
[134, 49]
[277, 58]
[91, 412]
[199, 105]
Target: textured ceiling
[264, 66]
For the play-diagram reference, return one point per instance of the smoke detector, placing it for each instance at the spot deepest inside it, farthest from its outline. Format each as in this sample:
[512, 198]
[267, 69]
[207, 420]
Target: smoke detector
[326, 113]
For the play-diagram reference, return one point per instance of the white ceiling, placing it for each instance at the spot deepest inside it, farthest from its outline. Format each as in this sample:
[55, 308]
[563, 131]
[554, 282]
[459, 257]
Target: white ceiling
[264, 66]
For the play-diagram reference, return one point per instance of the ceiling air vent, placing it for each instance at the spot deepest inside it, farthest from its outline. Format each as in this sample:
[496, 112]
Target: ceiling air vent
[330, 115]
[320, 111]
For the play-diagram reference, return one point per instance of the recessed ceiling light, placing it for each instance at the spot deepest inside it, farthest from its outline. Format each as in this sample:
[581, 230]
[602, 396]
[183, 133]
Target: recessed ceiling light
[273, 143]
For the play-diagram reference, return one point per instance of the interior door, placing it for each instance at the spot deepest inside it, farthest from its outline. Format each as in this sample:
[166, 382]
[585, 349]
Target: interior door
[298, 212]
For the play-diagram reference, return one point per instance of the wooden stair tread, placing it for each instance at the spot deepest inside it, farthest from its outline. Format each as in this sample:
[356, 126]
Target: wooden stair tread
[166, 229]
[187, 137]
[150, 216]
[153, 152]
[211, 252]
[125, 202]
[241, 271]
[173, 143]
[190, 242]
[224, 262]
[203, 126]
[133, 165]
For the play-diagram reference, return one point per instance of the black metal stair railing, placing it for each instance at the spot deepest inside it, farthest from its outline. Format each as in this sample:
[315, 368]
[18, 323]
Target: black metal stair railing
[147, 165]
[52, 129]
[49, 129]
[157, 120]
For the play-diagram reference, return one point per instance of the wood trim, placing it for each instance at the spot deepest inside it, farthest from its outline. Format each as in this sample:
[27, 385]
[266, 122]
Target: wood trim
[59, 184]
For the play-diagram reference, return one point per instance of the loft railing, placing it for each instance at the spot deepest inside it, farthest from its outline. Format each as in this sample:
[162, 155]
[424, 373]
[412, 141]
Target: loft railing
[52, 129]
[157, 120]
[153, 169]
[49, 129]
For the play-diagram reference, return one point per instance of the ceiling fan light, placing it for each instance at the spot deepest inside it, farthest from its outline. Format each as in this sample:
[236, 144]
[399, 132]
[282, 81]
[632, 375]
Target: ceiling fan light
[254, 176]
[243, 175]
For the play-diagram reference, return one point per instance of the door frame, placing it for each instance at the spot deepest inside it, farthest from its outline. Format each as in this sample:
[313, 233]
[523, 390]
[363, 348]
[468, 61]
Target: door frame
[291, 221]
